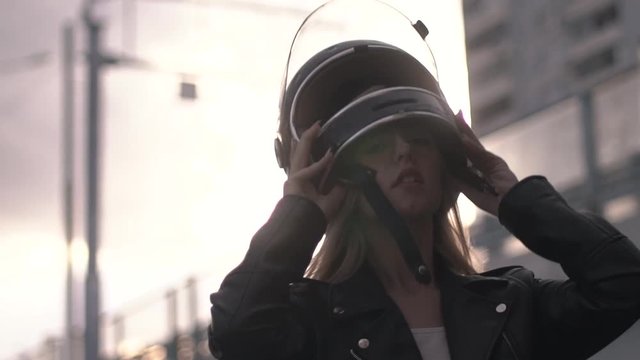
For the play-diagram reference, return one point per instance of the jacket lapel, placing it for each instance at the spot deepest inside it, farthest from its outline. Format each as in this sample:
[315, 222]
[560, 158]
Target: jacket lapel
[475, 310]
[359, 294]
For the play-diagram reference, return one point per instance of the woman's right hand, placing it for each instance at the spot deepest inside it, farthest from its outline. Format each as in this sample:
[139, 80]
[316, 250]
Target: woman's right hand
[302, 175]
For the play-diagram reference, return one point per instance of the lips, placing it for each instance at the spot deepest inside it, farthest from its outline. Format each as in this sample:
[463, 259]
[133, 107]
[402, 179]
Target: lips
[408, 176]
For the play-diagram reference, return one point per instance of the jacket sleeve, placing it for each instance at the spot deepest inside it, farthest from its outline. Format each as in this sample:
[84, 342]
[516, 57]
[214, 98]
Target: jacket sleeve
[578, 317]
[252, 317]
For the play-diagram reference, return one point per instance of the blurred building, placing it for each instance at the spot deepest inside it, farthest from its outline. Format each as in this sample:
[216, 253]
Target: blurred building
[525, 55]
[555, 90]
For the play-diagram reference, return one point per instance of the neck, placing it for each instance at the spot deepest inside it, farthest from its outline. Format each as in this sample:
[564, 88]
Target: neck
[387, 260]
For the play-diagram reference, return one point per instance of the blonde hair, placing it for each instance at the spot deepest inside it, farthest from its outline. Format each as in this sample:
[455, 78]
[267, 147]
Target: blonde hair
[345, 248]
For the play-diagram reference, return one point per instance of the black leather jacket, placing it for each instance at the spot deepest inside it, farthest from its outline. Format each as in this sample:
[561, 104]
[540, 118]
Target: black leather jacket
[265, 309]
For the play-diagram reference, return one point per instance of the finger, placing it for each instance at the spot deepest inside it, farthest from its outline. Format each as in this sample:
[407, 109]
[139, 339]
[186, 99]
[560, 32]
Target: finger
[472, 148]
[300, 157]
[292, 151]
[467, 132]
[482, 159]
[465, 129]
[317, 168]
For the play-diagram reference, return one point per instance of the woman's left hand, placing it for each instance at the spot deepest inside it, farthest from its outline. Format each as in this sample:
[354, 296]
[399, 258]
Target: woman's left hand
[493, 168]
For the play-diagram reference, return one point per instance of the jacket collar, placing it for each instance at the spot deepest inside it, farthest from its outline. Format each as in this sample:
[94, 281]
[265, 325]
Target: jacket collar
[474, 307]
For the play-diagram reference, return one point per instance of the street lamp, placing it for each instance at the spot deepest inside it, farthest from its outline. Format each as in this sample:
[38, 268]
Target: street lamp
[188, 89]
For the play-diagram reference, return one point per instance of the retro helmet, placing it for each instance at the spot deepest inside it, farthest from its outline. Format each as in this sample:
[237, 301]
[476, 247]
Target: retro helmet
[346, 48]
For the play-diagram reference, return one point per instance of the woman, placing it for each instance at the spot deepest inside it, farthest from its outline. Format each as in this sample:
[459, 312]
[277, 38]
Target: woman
[360, 297]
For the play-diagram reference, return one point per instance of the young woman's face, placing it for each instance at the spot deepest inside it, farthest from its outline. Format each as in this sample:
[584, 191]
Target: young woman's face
[408, 169]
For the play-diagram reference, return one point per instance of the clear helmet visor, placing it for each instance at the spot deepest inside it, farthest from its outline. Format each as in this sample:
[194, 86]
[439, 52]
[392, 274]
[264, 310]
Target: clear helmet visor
[339, 21]
[326, 66]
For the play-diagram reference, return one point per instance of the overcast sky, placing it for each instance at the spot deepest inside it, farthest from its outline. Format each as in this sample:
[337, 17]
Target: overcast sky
[185, 183]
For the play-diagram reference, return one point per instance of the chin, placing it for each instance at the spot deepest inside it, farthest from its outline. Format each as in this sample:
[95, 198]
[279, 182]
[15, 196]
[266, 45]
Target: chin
[415, 210]
[412, 203]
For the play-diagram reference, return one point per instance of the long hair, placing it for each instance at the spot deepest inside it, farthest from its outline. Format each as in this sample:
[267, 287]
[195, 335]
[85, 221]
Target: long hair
[345, 247]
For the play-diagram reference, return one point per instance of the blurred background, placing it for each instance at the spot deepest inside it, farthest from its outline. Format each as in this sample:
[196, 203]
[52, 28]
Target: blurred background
[142, 131]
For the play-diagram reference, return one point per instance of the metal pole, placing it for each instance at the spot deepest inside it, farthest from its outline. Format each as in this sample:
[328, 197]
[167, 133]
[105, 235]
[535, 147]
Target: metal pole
[68, 171]
[192, 293]
[591, 162]
[172, 312]
[119, 332]
[172, 323]
[92, 290]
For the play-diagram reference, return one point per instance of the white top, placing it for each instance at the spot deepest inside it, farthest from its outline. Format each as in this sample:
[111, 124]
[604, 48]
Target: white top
[432, 343]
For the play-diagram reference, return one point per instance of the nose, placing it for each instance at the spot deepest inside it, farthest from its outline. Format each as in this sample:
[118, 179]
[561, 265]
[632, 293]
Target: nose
[402, 148]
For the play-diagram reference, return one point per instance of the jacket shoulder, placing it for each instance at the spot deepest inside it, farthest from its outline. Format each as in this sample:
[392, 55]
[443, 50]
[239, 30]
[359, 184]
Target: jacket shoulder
[305, 291]
[514, 273]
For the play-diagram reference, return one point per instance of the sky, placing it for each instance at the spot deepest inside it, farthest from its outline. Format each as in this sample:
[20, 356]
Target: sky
[185, 183]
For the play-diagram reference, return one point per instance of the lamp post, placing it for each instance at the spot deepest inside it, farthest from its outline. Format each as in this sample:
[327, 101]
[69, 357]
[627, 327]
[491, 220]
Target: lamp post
[68, 137]
[96, 60]
[92, 284]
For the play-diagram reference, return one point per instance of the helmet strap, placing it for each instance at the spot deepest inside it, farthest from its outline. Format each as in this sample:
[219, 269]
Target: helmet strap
[365, 178]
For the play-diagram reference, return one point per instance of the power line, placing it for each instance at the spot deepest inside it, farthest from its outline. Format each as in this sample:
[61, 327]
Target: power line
[25, 63]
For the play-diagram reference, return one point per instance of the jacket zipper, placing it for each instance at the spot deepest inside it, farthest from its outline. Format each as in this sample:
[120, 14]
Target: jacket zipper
[513, 351]
[353, 353]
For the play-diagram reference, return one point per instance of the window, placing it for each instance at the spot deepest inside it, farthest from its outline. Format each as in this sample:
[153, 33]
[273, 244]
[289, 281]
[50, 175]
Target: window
[604, 18]
[493, 110]
[489, 37]
[595, 21]
[472, 6]
[499, 67]
[595, 63]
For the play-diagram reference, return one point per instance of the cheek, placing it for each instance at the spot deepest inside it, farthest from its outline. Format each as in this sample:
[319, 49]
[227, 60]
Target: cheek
[385, 181]
[434, 185]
